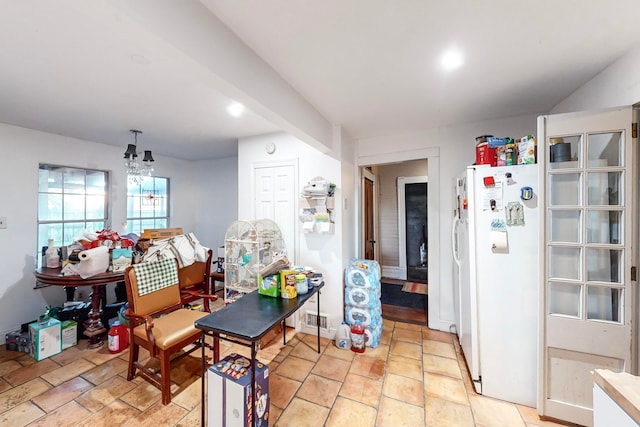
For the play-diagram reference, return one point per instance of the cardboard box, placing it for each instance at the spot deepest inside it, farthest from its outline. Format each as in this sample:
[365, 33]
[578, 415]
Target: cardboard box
[69, 333]
[45, 338]
[160, 233]
[229, 393]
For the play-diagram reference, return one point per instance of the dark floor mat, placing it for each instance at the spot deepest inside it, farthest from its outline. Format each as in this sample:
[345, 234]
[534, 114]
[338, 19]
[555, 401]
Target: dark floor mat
[393, 294]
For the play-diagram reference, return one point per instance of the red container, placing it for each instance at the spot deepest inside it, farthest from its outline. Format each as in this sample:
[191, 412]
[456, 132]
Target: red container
[485, 155]
[357, 337]
[118, 338]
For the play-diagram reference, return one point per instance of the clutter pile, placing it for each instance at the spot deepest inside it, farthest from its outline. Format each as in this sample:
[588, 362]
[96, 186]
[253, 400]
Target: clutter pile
[507, 151]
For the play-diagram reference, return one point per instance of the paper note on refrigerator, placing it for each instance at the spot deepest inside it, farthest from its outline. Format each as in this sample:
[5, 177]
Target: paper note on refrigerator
[499, 241]
[492, 193]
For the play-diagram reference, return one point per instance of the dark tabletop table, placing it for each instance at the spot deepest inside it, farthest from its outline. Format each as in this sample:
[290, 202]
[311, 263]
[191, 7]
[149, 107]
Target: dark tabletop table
[250, 318]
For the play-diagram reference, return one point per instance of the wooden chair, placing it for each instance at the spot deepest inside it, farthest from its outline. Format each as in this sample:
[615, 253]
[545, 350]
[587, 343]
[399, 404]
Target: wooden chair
[158, 322]
[195, 282]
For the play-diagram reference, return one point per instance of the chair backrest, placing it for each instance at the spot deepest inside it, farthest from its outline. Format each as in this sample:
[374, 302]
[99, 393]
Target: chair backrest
[196, 273]
[153, 287]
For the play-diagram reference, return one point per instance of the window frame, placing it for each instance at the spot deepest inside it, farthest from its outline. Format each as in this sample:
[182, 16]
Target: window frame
[154, 217]
[104, 222]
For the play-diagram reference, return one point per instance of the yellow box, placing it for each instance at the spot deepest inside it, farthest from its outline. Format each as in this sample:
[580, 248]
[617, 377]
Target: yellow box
[288, 284]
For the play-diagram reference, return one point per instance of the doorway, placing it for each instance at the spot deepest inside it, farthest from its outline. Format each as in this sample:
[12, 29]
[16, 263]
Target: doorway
[412, 224]
[394, 208]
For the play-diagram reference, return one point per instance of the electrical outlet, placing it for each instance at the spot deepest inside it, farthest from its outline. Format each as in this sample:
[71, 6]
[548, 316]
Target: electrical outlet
[3, 222]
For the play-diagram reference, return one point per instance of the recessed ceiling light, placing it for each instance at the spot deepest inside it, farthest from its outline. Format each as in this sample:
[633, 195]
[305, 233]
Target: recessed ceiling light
[235, 109]
[451, 60]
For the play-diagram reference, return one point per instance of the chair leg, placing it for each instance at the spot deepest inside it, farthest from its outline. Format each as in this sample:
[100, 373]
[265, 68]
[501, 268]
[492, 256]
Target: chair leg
[165, 377]
[133, 358]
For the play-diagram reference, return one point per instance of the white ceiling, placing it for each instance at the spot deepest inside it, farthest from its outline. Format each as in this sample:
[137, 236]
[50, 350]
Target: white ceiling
[94, 70]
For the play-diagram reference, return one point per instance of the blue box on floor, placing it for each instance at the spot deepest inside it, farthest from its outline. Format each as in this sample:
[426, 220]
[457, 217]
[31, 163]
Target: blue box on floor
[229, 393]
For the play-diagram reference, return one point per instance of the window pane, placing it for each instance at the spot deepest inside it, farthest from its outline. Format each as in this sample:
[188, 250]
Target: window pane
[604, 265]
[50, 180]
[73, 231]
[96, 183]
[564, 299]
[74, 206]
[604, 188]
[564, 226]
[604, 149]
[74, 181]
[564, 189]
[564, 263]
[604, 227]
[49, 207]
[564, 152]
[604, 303]
[49, 231]
[95, 207]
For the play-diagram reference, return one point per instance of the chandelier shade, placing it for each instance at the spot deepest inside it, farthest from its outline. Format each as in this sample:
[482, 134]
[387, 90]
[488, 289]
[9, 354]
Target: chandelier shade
[135, 170]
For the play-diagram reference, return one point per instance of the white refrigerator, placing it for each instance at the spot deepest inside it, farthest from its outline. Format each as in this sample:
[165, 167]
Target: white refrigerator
[495, 243]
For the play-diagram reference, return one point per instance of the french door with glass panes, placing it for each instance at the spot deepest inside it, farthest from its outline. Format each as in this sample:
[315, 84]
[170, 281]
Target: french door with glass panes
[588, 184]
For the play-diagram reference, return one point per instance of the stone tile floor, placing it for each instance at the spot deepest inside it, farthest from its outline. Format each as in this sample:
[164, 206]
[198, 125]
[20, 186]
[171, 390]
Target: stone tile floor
[415, 377]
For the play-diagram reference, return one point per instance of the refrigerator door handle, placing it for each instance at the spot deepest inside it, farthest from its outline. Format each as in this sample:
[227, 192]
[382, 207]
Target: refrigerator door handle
[454, 246]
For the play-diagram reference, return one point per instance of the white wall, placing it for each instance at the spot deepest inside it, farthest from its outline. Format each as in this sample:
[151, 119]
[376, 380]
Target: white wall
[216, 203]
[616, 86]
[320, 251]
[24, 150]
[456, 151]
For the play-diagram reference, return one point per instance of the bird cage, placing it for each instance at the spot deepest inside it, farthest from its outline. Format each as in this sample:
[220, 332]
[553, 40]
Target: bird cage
[249, 246]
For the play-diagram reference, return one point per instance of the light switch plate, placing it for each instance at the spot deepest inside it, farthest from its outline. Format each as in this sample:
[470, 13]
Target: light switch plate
[3, 222]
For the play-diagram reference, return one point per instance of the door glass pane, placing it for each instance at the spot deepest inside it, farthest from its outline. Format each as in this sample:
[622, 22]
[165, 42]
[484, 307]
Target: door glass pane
[564, 226]
[565, 152]
[604, 303]
[564, 299]
[604, 188]
[564, 263]
[604, 227]
[604, 149]
[604, 265]
[564, 189]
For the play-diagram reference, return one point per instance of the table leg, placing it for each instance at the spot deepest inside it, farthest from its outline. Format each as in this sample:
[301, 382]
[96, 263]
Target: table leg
[71, 292]
[284, 333]
[203, 372]
[254, 352]
[93, 327]
[318, 320]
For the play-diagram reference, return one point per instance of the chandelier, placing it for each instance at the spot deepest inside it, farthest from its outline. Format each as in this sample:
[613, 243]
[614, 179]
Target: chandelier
[136, 171]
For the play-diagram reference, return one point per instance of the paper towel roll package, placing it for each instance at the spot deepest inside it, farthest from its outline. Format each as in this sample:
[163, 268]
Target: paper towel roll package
[93, 261]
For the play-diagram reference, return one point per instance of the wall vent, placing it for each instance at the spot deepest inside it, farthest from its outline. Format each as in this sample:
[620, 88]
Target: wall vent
[312, 317]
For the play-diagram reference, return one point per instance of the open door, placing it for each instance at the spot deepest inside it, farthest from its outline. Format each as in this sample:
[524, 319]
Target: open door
[589, 186]
[412, 228]
[369, 215]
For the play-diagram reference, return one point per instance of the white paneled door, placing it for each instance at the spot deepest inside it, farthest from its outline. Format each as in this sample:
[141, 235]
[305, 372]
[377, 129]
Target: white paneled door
[275, 199]
[588, 263]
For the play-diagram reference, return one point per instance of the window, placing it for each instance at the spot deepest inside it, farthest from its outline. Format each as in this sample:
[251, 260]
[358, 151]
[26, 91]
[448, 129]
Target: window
[70, 200]
[147, 204]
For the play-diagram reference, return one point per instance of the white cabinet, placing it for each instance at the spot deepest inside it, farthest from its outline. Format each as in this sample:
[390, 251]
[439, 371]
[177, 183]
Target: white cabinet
[249, 246]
